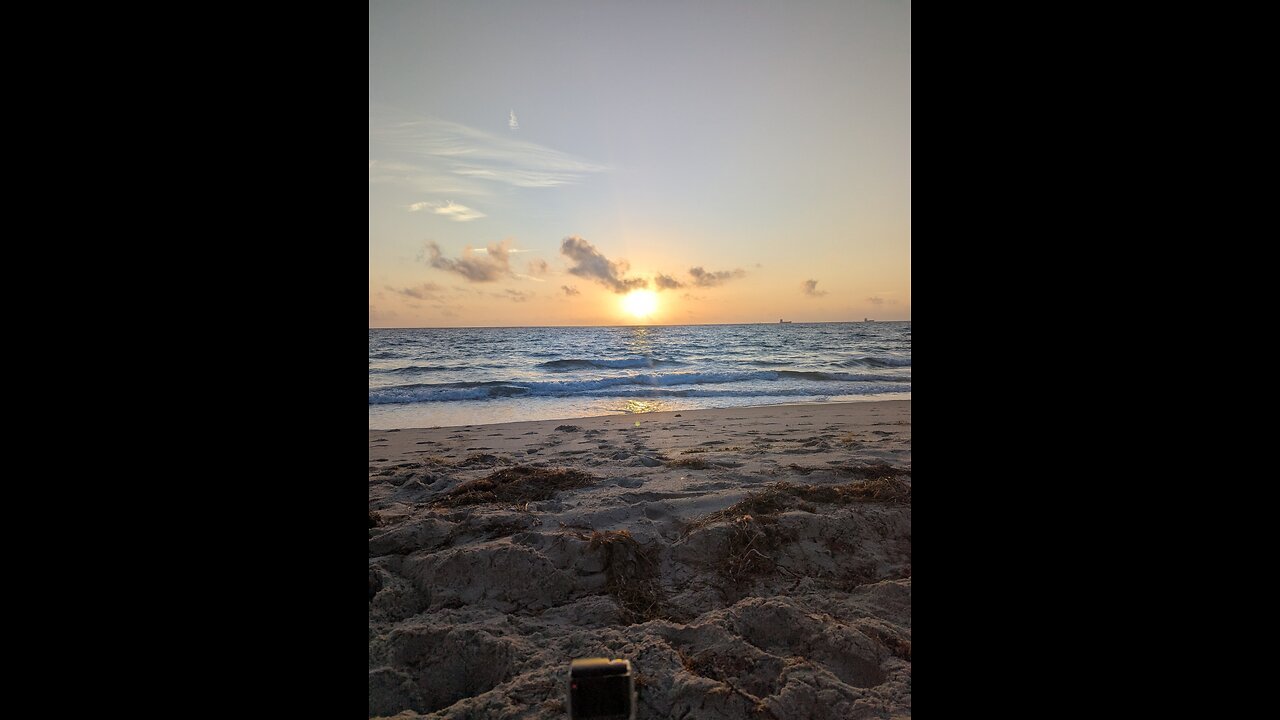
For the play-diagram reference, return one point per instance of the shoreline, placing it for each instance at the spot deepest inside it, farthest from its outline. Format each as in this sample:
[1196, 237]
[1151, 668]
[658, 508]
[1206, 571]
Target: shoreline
[741, 558]
[640, 415]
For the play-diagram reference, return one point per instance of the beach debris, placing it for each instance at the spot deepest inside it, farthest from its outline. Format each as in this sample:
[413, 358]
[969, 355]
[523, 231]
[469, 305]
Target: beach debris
[568, 428]
[480, 460]
[875, 471]
[632, 572]
[518, 484]
[783, 496]
[750, 548]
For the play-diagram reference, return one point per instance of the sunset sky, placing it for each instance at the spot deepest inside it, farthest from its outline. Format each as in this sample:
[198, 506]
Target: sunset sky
[536, 163]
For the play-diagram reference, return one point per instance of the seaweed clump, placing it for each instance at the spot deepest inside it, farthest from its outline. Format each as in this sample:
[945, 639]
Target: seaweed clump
[783, 496]
[519, 484]
[632, 576]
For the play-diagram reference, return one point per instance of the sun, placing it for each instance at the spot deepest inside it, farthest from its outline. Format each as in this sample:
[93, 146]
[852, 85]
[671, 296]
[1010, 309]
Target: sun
[640, 303]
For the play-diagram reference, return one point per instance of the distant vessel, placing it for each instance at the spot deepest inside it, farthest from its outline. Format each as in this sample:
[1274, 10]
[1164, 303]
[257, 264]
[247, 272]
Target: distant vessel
[867, 320]
[783, 322]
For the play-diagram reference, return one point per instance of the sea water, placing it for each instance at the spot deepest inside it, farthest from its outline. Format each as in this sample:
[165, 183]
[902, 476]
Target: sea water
[435, 377]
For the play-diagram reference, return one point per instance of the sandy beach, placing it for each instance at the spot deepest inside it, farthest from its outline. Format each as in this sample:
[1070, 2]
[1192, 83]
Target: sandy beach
[749, 562]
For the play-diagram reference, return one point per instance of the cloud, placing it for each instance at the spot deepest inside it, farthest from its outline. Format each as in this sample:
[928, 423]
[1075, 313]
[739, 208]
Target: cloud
[570, 290]
[666, 282]
[513, 251]
[435, 181]
[537, 267]
[449, 209]
[491, 265]
[811, 288]
[513, 295]
[702, 278]
[590, 264]
[425, 291]
[513, 123]
[876, 300]
[455, 149]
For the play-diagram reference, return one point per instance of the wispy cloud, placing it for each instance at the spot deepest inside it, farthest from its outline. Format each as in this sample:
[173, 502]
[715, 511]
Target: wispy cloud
[424, 180]
[512, 251]
[811, 288]
[876, 300]
[536, 268]
[471, 154]
[590, 264]
[449, 209]
[425, 291]
[666, 282]
[702, 278]
[513, 123]
[513, 295]
[568, 290]
[493, 264]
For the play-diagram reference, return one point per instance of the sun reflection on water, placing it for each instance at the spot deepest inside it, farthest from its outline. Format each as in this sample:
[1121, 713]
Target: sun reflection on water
[644, 406]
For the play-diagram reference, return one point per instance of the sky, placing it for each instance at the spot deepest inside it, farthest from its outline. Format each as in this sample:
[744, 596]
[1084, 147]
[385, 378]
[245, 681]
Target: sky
[616, 163]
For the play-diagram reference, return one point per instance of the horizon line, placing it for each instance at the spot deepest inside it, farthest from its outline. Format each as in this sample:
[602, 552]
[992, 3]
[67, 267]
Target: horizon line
[505, 327]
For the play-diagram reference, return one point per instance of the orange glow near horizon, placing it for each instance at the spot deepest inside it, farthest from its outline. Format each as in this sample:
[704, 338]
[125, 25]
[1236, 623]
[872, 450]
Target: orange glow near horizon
[640, 304]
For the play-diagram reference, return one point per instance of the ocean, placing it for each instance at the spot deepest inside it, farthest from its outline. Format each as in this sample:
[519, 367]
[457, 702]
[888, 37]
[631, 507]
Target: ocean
[437, 377]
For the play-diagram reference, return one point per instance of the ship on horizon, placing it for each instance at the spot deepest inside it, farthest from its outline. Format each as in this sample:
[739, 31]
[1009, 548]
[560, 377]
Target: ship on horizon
[783, 322]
